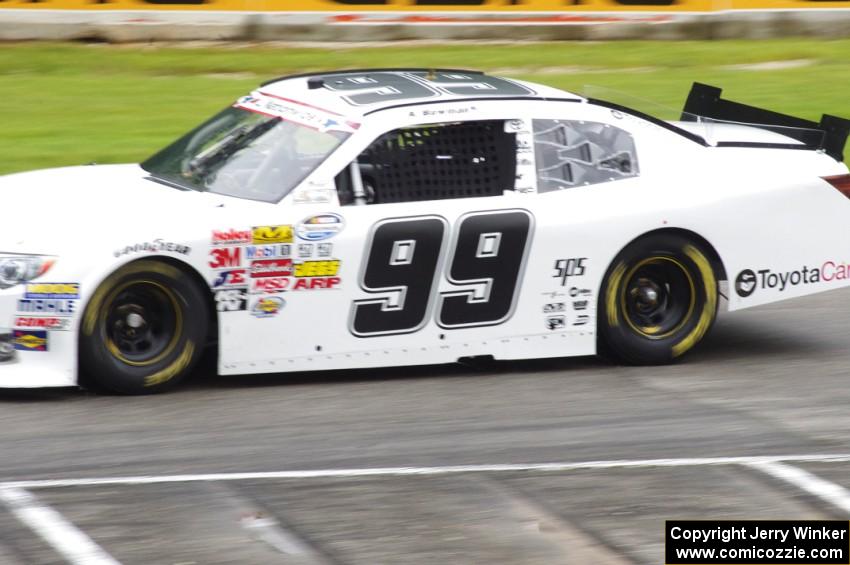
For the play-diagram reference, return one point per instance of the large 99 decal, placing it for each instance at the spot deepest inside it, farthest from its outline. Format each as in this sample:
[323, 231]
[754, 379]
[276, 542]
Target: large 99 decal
[403, 262]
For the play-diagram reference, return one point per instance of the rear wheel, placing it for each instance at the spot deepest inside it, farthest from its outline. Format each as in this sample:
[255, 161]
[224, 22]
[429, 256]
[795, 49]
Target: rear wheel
[143, 329]
[658, 300]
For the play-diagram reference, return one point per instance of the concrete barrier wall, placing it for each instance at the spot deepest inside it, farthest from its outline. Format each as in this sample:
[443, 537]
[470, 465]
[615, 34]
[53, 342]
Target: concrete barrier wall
[382, 20]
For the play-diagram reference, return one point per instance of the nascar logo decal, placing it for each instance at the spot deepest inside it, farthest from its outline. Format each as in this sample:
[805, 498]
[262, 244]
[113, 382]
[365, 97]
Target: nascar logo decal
[34, 340]
[317, 228]
[53, 290]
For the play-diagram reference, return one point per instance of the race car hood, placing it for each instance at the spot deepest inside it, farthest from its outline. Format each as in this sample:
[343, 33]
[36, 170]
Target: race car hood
[53, 210]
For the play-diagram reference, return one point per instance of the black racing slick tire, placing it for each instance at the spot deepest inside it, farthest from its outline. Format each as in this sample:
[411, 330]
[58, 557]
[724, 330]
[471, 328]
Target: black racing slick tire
[143, 330]
[658, 300]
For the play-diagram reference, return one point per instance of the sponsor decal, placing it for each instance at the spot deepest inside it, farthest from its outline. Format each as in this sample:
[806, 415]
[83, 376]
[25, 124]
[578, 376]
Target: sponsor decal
[155, 246]
[566, 268]
[269, 285]
[554, 307]
[554, 295]
[231, 300]
[295, 111]
[231, 237]
[745, 283]
[268, 251]
[50, 306]
[268, 306]
[321, 227]
[53, 290]
[46, 322]
[748, 280]
[272, 234]
[305, 250]
[580, 304]
[271, 268]
[555, 322]
[581, 320]
[230, 278]
[317, 268]
[226, 257]
[576, 291]
[316, 283]
[30, 340]
[324, 249]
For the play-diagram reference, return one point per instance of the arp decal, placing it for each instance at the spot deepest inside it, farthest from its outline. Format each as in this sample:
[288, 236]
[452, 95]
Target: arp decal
[45, 322]
[30, 340]
[268, 306]
[317, 268]
[53, 291]
[231, 237]
[316, 283]
[272, 234]
[271, 268]
[321, 227]
[225, 257]
[231, 300]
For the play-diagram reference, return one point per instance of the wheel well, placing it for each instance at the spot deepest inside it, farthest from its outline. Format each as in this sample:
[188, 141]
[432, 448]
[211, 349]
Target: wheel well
[198, 280]
[713, 256]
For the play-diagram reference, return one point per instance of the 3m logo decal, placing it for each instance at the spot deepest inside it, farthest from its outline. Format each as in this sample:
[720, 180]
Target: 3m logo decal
[25, 340]
[272, 234]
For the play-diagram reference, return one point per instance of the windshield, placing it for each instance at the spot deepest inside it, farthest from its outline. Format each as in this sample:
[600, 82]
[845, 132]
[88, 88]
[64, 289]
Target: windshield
[260, 148]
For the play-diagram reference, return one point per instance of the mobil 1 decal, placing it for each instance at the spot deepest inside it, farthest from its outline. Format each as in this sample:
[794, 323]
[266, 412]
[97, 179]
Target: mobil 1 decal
[486, 254]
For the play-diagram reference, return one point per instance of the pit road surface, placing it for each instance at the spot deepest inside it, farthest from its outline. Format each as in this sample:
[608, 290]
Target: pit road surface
[774, 381]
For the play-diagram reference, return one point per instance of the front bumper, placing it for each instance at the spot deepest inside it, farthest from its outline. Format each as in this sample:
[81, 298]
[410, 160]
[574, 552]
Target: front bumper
[33, 358]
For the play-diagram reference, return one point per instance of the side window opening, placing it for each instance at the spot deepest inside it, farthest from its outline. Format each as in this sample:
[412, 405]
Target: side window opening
[432, 162]
[575, 153]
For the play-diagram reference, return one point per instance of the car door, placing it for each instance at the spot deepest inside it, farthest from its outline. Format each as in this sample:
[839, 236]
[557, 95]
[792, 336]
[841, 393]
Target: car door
[441, 238]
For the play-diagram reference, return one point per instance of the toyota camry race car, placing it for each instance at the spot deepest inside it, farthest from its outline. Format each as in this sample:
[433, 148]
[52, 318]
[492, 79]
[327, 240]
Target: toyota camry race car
[397, 217]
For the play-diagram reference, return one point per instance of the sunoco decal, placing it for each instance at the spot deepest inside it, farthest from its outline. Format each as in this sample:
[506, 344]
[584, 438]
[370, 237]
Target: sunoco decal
[30, 340]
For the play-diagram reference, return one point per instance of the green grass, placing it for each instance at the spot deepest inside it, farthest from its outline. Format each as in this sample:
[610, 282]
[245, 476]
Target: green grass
[66, 104]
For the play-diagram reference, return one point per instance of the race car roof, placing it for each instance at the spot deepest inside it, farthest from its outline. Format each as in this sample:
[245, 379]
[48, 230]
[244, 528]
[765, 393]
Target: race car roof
[358, 92]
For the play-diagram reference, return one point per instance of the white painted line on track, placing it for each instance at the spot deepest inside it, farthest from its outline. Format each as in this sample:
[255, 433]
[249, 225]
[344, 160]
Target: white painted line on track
[439, 470]
[71, 543]
[827, 491]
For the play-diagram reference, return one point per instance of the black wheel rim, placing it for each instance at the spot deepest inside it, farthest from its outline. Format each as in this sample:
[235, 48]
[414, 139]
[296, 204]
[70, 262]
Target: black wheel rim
[658, 297]
[142, 323]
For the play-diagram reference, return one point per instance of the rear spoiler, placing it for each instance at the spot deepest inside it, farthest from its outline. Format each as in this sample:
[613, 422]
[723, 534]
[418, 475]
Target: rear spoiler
[830, 134]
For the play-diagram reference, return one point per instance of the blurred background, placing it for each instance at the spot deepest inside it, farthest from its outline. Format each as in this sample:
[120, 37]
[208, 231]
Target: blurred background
[361, 466]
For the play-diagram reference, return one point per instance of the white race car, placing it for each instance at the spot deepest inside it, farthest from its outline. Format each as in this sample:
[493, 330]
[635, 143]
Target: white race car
[410, 216]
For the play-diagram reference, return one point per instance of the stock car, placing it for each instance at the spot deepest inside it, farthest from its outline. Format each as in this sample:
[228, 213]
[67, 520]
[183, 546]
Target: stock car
[392, 217]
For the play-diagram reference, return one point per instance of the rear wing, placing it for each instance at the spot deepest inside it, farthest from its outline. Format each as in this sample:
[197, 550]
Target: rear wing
[830, 135]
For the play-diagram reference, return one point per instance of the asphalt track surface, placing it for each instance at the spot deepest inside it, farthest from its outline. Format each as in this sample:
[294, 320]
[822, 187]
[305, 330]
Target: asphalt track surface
[774, 381]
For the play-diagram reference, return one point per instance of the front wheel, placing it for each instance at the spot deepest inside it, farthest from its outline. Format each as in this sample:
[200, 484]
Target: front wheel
[658, 300]
[143, 330]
